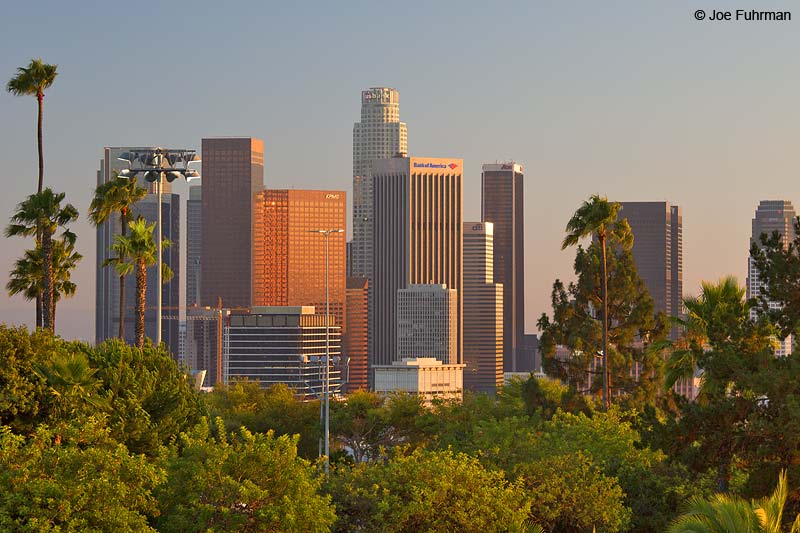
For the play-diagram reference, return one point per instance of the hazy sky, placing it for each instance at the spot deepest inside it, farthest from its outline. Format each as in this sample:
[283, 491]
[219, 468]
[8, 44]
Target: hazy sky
[635, 100]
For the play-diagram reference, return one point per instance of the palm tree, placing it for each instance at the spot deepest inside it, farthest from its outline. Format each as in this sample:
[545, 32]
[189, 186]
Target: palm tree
[729, 514]
[27, 277]
[135, 252]
[116, 196]
[41, 214]
[718, 302]
[33, 80]
[72, 382]
[597, 217]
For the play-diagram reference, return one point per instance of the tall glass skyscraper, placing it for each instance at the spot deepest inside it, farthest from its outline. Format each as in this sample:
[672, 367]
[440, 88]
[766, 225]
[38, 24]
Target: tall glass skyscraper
[418, 239]
[379, 135]
[502, 203]
[107, 279]
[771, 216]
[658, 253]
[233, 172]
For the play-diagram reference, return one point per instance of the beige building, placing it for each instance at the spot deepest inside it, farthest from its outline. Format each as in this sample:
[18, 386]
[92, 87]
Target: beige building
[483, 310]
[427, 323]
[425, 376]
[378, 135]
[418, 239]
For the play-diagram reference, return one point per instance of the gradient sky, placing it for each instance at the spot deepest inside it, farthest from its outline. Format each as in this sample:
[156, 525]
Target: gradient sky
[634, 100]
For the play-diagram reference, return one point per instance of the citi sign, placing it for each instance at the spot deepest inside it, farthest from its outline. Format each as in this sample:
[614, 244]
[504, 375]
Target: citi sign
[451, 166]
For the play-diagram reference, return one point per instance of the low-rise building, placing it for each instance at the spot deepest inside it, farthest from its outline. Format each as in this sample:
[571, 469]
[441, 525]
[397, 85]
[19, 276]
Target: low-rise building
[426, 376]
[280, 344]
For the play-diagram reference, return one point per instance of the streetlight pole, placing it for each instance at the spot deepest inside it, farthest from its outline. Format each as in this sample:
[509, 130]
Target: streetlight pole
[327, 384]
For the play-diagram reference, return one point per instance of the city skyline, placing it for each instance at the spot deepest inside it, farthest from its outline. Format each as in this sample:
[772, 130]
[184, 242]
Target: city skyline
[680, 126]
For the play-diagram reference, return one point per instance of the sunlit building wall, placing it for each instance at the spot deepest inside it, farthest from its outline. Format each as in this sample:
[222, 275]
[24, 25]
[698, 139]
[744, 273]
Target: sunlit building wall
[289, 257]
[356, 340]
[483, 310]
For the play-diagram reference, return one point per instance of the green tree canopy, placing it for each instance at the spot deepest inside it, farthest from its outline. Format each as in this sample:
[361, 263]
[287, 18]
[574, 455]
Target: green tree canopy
[426, 491]
[240, 482]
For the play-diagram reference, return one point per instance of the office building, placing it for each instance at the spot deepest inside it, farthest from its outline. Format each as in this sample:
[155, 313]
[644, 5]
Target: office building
[204, 343]
[107, 279]
[425, 376]
[531, 360]
[502, 203]
[418, 239]
[483, 310]
[356, 339]
[233, 172]
[289, 255]
[658, 253]
[771, 216]
[427, 322]
[194, 244]
[378, 135]
[285, 344]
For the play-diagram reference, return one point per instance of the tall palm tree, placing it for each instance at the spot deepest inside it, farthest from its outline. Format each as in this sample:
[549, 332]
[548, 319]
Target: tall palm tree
[135, 252]
[729, 514]
[41, 214]
[27, 277]
[33, 80]
[597, 217]
[116, 196]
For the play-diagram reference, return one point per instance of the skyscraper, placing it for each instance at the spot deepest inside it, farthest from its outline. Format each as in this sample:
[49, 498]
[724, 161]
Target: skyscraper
[378, 135]
[658, 252]
[427, 322]
[502, 203]
[356, 339]
[194, 244]
[107, 279]
[483, 310]
[289, 257]
[771, 216]
[233, 172]
[418, 239]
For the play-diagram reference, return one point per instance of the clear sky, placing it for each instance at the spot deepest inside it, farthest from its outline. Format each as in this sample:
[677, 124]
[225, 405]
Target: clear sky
[636, 100]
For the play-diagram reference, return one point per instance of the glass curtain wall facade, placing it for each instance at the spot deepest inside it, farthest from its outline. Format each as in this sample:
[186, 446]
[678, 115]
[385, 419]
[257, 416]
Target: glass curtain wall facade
[289, 258]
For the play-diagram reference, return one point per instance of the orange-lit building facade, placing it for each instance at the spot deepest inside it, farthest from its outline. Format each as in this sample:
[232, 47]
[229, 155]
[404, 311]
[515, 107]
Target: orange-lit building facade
[289, 259]
[356, 342]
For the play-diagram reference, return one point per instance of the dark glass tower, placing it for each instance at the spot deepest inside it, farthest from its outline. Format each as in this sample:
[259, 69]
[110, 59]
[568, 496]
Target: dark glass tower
[233, 172]
[502, 205]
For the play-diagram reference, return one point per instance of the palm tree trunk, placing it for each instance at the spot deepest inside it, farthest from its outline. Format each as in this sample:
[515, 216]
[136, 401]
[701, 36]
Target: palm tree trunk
[39, 323]
[141, 288]
[53, 316]
[47, 263]
[606, 395]
[40, 98]
[123, 216]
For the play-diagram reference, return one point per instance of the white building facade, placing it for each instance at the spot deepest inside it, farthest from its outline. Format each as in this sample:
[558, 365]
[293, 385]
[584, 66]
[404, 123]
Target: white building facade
[424, 376]
[378, 135]
[427, 323]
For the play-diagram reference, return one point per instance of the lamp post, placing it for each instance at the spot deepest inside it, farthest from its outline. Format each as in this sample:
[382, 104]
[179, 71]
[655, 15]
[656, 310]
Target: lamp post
[327, 383]
[152, 164]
